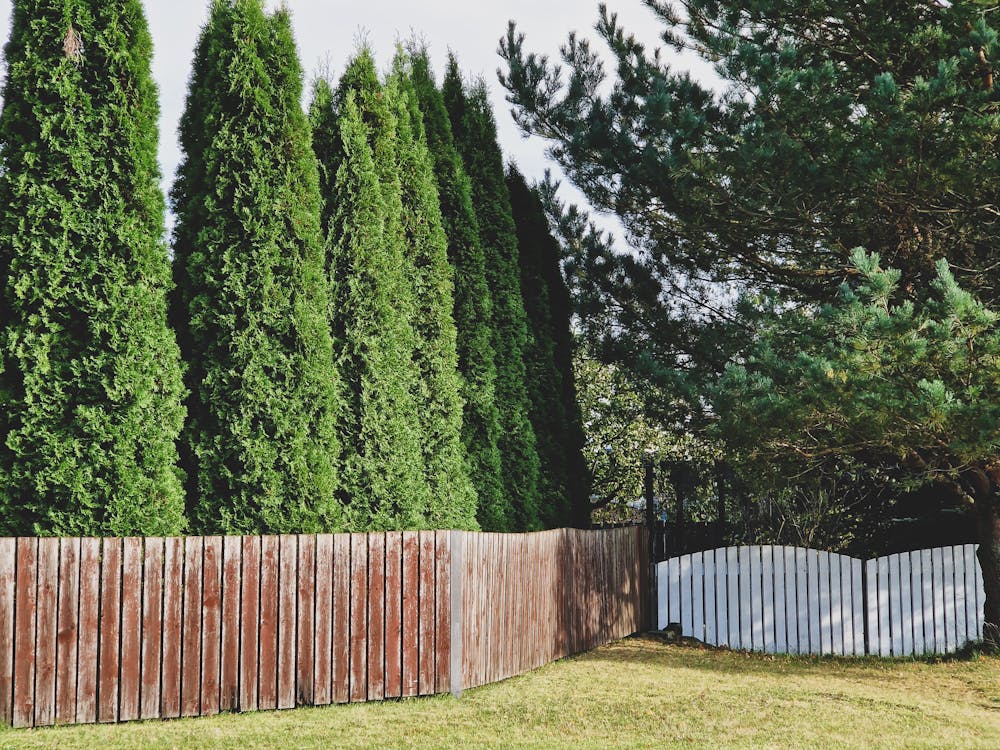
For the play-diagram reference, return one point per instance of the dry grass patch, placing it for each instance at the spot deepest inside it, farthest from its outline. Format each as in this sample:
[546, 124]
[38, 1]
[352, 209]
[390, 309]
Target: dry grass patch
[635, 693]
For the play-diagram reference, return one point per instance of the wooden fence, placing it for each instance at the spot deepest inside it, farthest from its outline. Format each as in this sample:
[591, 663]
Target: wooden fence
[802, 601]
[107, 630]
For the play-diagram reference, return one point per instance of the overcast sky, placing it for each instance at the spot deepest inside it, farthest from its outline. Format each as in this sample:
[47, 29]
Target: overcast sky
[328, 30]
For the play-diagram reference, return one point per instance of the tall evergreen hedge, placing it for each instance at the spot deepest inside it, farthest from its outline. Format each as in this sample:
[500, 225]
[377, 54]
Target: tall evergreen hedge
[90, 378]
[555, 412]
[371, 276]
[439, 400]
[260, 444]
[475, 134]
[473, 311]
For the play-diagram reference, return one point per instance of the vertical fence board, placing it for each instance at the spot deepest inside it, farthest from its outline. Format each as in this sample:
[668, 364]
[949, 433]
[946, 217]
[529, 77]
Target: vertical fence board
[152, 627]
[323, 630]
[131, 636]
[67, 630]
[173, 626]
[927, 576]
[25, 605]
[267, 685]
[895, 610]
[721, 602]
[305, 641]
[341, 647]
[756, 600]
[425, 639]
[937, 559]
[249, 622]
[46, 631]
[8, 568]
[961, 621]
[89, 627]
[194, 555]
[411, 612]
[211, 627]
[393, 614]
[287, 565]
[359, 619]
[802, 594]
[836, 608]
[948, 573]
[972, 611]
[767, 597]
[708, 560]
[847, 605]
[376, 616]
[674, 603]
[917, 603]
[791, 603]
[905, 606]
[229, 658]
[780, 623]
[442, 606]
[109, 648]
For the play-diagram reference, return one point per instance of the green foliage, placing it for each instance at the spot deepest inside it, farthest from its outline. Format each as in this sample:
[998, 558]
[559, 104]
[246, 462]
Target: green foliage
[261, 448]
[371, 278]
[439, 400]
[876, 377]
[837, 126]
[476, 138]
[555, 413]
[90, 378]
[473, 311]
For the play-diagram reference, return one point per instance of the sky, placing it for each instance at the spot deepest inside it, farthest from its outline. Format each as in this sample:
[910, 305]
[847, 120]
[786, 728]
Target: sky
[327, 32]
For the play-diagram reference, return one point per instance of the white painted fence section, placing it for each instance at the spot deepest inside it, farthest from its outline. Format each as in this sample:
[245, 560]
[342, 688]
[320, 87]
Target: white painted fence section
[790, 600]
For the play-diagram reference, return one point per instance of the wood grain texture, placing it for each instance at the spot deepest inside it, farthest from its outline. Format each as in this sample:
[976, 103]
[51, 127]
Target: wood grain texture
[211, 625]
[46, 632]
[89, 631]
[229, 657]
[8, 568]
[25, 605]
[268, 665]
[109, 650]
[131, 635]
[152, 627]
[250, 623]
[305, 639]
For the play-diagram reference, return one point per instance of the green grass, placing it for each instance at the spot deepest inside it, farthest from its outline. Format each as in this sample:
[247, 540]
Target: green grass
[635, 693]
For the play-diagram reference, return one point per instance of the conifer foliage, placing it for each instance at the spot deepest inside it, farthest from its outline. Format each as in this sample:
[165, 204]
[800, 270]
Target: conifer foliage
[555, 413]
[90, 379]
[473, 304]
[385, 481]
[252, 300]
[439, 400]
[476, 136]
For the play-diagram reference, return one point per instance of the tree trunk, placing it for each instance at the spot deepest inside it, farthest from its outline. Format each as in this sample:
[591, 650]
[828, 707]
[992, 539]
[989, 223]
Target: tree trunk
[986, 494]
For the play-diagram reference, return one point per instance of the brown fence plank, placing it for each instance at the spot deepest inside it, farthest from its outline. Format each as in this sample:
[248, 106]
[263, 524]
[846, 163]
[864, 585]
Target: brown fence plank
[131, 626]
[229, 658]
[411, 613]
[359, 620]
[173, 626]
[109, 649]
[211, 625]
[341, 642]
[66, 630]
[305, 649]
[393, 614]
[8, 568]
[25, 593]
[152, 627]
[286, 620]
[268, 690]
[89, 626]
[46, 631]
[250, 622]
[323, 629]
[376, 616]
[442, 611]
[426, 637]
[194, 555]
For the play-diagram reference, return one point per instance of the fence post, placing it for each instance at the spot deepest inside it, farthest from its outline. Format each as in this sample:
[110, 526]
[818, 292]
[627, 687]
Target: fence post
[457, 588]
[651, 533]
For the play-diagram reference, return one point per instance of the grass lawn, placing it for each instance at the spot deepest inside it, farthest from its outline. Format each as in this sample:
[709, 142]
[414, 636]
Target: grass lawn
[635, 693]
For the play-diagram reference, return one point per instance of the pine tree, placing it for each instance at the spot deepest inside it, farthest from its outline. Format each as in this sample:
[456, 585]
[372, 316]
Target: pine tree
[372, 302]
[555, 413]
[260, 443]
[473, 303]
[439, 400]
[476, 137]
[90, 377]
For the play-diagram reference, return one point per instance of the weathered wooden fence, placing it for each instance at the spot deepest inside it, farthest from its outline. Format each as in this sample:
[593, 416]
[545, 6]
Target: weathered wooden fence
[106, 630]
[802, 601]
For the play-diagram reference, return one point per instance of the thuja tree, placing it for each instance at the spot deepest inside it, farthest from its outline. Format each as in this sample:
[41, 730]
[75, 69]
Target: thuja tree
[90, 377]
[473, 311]
[370, 275]
[439, 385]
[555, 413]
[476, 137]
[260, 444]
